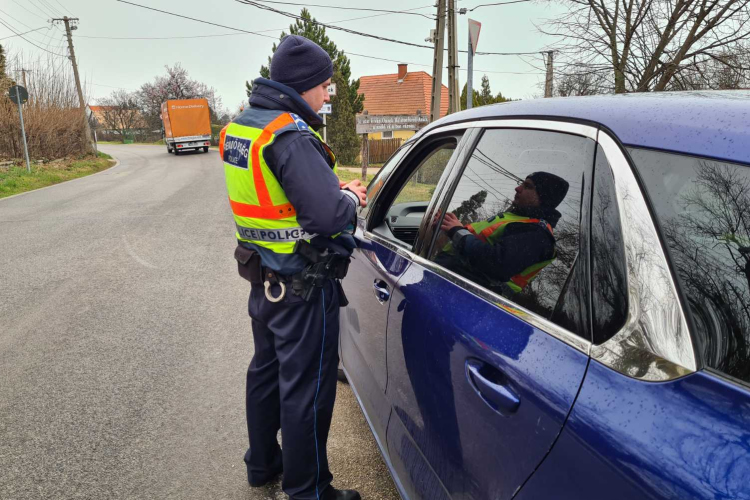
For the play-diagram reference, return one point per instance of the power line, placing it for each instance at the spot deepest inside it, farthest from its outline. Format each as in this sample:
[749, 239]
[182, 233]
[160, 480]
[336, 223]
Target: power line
[65, 9]
[499, 3]
[160, 37]
[15, 19]
[31, 2]
[346, 30]
[25, 32]
[32, 43]
[198, 20]
[337, 7]
[27, 10]
[368, 35]
[52, 7]
[226, 34]
[220, 34]
[260, 33]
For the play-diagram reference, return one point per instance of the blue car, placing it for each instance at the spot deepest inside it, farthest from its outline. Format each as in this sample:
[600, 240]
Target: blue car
[615, 365]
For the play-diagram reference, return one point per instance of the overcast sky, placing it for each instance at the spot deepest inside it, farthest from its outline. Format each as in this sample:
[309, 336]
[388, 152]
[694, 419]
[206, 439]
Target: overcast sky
[225, 62]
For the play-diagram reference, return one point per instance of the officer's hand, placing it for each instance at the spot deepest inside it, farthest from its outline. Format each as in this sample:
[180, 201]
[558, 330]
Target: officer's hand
[357, 188]
[449, 222]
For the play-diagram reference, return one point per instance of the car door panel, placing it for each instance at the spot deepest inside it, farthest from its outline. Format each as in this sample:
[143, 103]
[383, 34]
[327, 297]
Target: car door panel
[452, 379]
[686, 438]
[373, 271]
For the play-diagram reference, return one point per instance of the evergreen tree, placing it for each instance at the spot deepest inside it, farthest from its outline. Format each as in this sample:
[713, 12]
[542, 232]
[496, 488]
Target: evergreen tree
[474, 101]
[484, 96]
[468, 211]
[342, 134]
[5, 81]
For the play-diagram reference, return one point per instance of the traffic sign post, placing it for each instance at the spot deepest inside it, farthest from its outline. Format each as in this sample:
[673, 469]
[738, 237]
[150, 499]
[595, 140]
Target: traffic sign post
[19, 95]
[327, 109]
[474, 28]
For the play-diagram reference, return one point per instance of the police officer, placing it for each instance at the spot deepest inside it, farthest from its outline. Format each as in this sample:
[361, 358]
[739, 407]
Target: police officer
[291, 215]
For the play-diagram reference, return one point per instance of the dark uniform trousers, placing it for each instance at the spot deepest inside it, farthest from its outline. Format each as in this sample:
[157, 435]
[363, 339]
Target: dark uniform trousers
[291, 385]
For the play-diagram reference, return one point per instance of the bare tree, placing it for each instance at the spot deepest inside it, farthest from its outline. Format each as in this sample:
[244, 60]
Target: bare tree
[643, 45]
[580, 84]
[176, 84]
[120, 113]
[727, 71]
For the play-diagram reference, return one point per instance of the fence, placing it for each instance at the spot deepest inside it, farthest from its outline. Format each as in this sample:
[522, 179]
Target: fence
[382, 149]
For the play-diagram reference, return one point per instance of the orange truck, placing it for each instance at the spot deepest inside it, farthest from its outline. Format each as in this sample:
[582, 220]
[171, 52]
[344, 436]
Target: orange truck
[187, 125]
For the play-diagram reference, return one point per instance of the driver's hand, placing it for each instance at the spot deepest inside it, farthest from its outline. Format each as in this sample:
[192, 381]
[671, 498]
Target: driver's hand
[449, 222]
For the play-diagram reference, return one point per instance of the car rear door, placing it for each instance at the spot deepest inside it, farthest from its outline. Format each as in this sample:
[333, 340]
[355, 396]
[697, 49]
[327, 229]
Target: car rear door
[481, 383]
[664, 411]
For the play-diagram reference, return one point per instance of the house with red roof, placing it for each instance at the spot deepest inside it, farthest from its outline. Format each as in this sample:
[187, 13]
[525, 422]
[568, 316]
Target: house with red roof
[401, 93]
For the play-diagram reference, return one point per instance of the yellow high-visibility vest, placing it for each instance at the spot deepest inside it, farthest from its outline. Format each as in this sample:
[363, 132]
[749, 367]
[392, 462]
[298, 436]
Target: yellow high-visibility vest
[263, 214]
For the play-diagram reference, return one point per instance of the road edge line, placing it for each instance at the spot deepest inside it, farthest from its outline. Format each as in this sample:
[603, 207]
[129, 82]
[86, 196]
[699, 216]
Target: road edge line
[117, 164]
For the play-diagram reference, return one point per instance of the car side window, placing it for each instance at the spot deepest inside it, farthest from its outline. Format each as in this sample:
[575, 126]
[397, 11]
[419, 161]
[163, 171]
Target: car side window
[413, 186]
[609, 286]
[513, 222]
[703, 209]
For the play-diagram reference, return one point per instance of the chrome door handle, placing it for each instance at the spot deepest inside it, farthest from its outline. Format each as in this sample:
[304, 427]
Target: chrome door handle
[380, 288]
[493, 387]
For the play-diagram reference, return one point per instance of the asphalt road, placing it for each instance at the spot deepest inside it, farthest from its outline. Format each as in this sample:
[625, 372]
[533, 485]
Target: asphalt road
[124, 341]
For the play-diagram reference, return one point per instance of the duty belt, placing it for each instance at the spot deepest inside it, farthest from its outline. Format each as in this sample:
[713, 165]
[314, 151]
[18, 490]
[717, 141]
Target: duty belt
[304, 284]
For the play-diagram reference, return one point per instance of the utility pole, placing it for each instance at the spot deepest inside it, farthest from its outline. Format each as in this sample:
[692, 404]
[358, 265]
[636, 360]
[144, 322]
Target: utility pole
[437, 63]
[87, 130]
[454, 93]
[548, 81]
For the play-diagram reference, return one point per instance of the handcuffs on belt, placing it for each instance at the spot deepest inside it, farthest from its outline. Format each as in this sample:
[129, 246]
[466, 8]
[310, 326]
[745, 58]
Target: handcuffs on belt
[321, 267]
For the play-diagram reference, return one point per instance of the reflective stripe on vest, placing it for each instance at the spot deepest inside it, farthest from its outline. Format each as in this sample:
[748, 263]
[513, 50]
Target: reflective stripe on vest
[263, 214]
[491, 231]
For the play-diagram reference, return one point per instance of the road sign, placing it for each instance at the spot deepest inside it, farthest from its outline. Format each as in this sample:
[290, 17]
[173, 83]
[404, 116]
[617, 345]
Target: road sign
[367, 124]
[19, 95]
[326, 109]
[474, 28]
[332, 89]
[17, 92]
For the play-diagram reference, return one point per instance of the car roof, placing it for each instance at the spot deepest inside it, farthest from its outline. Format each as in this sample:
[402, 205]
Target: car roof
[708, 123]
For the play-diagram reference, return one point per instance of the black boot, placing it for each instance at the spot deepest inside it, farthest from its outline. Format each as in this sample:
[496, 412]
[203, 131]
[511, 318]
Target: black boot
[332, 493]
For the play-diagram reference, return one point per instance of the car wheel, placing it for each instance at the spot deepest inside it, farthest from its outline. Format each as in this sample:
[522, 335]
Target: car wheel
[205, 149]
[176, 151]
[341, 375]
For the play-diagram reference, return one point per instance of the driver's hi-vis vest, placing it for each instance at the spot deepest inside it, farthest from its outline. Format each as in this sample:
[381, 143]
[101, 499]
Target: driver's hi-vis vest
[492, 231]
[262, 213]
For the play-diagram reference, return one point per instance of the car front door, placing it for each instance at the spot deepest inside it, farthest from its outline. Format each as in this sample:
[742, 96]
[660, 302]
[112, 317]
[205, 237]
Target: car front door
[376, 267]
[480, 379]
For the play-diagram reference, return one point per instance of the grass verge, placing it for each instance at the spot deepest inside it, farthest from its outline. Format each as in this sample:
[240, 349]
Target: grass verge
[16, 179]
[348, 175]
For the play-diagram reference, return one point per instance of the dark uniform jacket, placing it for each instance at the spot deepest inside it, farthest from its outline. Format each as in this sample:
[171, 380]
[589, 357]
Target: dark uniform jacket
[303, 169]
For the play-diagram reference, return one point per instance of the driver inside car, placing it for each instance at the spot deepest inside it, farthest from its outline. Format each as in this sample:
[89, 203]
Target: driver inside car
[506, 252]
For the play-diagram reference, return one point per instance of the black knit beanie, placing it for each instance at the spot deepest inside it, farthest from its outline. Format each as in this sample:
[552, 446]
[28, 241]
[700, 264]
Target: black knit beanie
[300, 64]
[550, 188]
